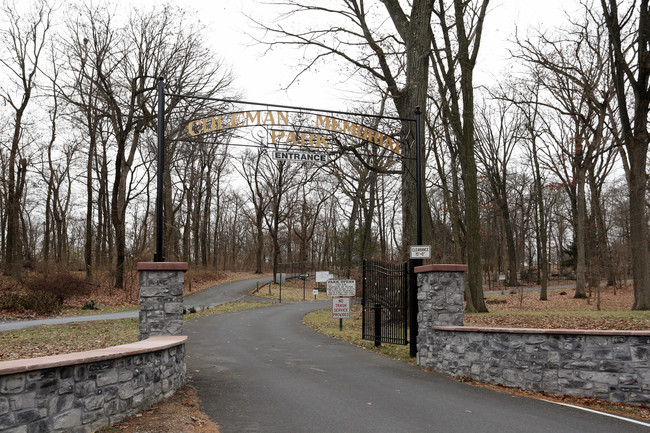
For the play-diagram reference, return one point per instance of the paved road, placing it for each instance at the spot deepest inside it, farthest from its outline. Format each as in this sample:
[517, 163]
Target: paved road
[211, 297]
[264, 371]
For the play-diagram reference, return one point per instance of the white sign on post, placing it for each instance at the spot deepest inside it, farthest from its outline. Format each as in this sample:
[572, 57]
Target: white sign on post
[321, 277]
[340, 308]
[338, 288]
[420, 251]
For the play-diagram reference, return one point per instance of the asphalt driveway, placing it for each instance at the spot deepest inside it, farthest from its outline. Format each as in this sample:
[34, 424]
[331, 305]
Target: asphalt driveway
[262, 370]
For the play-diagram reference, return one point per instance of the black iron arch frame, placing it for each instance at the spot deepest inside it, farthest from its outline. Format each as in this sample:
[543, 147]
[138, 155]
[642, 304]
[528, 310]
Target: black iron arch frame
[162, 94]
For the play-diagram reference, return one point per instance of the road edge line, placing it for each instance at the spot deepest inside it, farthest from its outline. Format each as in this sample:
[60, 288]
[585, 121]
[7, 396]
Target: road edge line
[611, 415]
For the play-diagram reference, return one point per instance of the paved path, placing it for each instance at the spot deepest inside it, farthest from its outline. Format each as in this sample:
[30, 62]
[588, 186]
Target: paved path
[262, 370]
[217, 295]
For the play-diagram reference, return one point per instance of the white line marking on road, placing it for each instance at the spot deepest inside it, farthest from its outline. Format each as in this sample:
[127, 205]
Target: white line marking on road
[601, 413]
[317, 369]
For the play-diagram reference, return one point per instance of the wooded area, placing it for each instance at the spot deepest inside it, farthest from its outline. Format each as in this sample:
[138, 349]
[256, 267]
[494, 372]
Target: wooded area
[542, 174]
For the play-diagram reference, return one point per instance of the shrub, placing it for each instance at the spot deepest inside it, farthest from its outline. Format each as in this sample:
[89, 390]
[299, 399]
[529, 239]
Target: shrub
[38, 302]
[92, 305]
[11, 302]
[42, 302]
[61, 284]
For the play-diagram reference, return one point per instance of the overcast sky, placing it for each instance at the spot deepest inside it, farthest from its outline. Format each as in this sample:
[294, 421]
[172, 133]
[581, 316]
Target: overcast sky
[262, 77]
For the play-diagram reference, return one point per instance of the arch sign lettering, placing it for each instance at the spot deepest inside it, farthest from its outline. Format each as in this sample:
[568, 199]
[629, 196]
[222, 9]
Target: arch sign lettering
[286, 133]
[296, 130]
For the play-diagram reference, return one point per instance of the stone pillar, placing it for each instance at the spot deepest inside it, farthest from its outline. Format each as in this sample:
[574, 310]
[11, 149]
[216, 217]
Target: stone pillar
[441, 296]
[161, 298]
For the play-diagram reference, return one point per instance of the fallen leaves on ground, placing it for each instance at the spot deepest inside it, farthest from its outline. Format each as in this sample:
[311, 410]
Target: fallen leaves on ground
[562, 311]
[179, 413]
[71, 337]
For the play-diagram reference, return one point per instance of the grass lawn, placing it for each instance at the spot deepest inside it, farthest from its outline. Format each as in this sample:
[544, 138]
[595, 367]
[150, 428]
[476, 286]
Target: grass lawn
[561, 310]
[322, 321]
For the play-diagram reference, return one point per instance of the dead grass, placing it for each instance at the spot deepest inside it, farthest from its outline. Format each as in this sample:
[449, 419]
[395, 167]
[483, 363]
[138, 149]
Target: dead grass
[610, 301]
[562, 311]
[323, 322]
[73, 337]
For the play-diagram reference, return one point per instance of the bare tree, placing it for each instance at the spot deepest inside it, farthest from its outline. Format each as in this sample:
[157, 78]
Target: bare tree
[403, 78]
[122, 64]
[572, 69]
[23, 41]
[498, 133]
[528, 91]
[629, 50]
[259, 198]
[455, 43]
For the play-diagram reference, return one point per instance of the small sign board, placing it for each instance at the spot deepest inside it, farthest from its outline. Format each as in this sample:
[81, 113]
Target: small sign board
[420, 251]
[340, 308]
[321, 277]
[314, 292]
[304, 275]
[338, 288]
[280, 155]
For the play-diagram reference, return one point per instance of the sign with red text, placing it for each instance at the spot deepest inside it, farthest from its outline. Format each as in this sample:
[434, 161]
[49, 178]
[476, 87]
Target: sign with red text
[340, 308]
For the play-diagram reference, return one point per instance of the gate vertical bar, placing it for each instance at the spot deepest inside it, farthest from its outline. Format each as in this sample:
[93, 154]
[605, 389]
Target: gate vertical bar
[377, 324]
[158, 256]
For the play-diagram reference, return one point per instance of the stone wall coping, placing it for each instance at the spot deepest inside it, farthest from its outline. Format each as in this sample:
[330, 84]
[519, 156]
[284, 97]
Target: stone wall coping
[162, 266]
[441, 267]
[151, 344]
[542, 331]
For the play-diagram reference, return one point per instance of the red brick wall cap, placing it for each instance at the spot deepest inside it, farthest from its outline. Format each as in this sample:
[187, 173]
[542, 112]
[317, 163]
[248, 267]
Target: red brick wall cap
[441, 268]
[162, 266]
[152, 344]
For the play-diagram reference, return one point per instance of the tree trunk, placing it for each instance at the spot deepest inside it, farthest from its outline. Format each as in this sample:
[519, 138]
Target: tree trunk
[639, 226]
[543, 233]
[581, 208]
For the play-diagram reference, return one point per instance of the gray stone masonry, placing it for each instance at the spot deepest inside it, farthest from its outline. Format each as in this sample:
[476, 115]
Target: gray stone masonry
[161, 298]
[611, 365]
[82, 398]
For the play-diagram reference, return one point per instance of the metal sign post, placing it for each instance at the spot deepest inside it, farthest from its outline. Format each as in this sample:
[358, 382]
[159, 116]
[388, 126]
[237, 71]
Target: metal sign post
[158, 256]
[413, 284]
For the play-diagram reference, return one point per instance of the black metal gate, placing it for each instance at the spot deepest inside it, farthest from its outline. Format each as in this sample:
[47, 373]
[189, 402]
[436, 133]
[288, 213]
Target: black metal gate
[385, 318]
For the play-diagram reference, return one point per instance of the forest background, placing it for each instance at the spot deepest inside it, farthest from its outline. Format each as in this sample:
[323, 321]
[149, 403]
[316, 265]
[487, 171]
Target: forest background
[539, 174]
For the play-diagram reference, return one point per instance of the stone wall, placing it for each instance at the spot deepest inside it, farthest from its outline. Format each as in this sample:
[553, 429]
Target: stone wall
[612, 365]
[161, 298]
[85, 391]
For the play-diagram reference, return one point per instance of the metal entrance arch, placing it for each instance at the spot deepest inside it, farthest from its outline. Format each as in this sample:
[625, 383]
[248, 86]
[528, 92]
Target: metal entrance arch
[287, 129]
